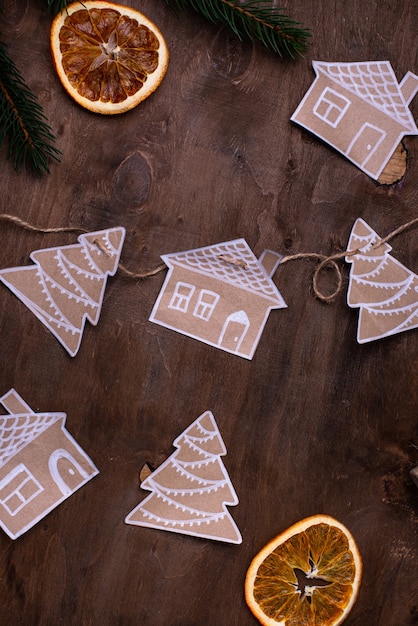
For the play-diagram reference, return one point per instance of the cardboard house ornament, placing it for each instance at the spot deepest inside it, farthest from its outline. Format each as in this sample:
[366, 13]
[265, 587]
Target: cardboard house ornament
[220, 294]
[66, 286]
[360, 109]
[190, 490]
[41, 465]
[385, 291]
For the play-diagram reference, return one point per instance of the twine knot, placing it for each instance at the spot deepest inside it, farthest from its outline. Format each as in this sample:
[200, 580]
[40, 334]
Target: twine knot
[330, 261]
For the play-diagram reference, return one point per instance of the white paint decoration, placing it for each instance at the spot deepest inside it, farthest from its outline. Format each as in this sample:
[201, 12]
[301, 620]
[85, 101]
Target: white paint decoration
[385, 291]
[221, 295]
[190, 490]
[359, 109]
[66, 286]
[41, 464]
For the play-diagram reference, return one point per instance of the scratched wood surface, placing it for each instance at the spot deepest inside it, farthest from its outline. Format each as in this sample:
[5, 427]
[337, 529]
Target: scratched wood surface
[315, 423]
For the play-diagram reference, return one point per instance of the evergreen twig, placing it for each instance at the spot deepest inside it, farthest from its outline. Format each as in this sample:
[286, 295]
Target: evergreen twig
[22, 121]
[56, 6]
[253, 20]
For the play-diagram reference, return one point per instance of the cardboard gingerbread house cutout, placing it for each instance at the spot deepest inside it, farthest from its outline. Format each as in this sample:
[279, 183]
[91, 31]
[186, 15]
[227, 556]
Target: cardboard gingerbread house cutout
[66, 286]
[220, 294]
[360, 109]
[385, 291]
[190, 490]
[41, 465]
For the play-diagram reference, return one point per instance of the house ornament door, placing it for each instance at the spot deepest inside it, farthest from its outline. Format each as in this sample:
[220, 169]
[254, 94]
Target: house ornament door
[365, 144]
[234, 330]
[66, 471]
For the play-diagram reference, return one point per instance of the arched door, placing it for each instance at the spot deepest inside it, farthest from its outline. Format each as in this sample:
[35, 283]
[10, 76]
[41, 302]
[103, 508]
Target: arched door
[233, 331]
[66, 471]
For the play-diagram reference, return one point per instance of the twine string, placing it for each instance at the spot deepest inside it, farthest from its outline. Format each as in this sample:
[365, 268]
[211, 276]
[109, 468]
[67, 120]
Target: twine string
[330, 261]
[324, 261]
[101, 247]
[143, 273]
[237, 262]
[4, 217]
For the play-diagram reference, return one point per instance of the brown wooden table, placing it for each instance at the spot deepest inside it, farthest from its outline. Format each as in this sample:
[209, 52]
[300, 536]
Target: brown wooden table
[314, 423]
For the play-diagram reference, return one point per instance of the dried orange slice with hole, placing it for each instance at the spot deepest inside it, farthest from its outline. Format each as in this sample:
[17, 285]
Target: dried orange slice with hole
[108, 57]
[309, 575]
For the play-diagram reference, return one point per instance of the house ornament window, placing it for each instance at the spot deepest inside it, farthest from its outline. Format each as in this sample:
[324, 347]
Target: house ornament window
[331, 107]
[18, 488]
[206, 304]
[181, 297]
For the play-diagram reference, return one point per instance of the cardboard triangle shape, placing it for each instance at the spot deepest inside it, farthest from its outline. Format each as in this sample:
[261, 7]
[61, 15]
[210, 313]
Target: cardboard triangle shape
[66, 285]
[190, 490]
[385, 291]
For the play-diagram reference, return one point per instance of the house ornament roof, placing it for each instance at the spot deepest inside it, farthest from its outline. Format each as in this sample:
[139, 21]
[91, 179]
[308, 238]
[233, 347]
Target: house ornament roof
[17, 431]
[374, 82]
[249, 274]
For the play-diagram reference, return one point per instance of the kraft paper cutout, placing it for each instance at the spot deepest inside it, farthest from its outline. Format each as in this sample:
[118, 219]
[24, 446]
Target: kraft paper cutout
[360, 109]
[221, 295]
[41, 465]
[67, 285]
[190, 490]
[385, 291]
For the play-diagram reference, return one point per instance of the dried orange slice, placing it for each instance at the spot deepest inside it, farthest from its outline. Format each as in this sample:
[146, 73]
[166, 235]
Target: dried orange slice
[108, 57]
[309, 575]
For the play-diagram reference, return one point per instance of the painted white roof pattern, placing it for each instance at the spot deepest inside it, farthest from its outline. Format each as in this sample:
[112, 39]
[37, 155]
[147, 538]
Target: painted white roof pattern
[17, 431]
[374, 82]
[206, 261]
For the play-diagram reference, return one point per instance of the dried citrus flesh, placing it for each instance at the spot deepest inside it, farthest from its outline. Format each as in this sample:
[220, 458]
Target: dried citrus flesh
[309, 575]
[108, 57]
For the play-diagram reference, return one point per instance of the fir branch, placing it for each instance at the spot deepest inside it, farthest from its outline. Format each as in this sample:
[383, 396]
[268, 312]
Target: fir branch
[22, 121]
[56, 6]
[253, 20]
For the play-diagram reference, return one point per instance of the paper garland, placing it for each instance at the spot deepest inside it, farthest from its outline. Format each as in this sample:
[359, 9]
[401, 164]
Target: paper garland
[203, 286]
[220, 294]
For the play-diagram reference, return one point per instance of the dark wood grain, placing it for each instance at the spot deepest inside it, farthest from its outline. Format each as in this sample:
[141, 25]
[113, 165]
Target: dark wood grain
[315, 423]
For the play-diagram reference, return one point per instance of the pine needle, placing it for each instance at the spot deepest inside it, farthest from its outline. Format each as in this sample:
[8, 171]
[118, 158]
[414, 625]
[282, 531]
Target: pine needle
[56, 6]
[22, 121]
[253, 20]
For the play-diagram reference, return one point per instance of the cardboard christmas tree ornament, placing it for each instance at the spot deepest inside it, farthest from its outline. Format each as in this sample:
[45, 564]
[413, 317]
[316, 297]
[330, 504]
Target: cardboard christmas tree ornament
[190, 490]
[385, 291]
[66, 286]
